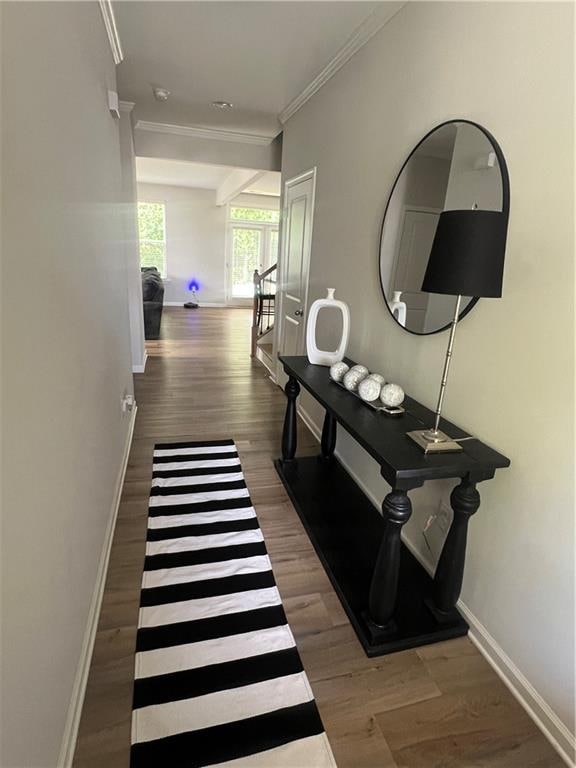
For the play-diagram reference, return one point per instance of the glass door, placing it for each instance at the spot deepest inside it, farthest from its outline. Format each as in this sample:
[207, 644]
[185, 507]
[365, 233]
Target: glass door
[252, 246]
[246, 256]
[272, 246]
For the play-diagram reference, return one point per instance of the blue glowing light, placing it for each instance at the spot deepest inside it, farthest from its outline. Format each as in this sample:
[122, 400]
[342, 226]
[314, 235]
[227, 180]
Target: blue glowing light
[193, 285]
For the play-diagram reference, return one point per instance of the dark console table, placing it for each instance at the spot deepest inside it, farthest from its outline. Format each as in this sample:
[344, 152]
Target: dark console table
[390, 599]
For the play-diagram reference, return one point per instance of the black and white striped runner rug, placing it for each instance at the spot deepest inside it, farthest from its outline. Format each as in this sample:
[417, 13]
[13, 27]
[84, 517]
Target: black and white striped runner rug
[218, 677]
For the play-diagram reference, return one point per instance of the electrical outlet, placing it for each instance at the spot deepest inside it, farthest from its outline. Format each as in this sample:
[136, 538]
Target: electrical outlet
[127, 402]
[444, 516]
[436, 528]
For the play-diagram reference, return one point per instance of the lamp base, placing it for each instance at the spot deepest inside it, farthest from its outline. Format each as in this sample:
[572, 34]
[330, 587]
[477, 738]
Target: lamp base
[434, 442]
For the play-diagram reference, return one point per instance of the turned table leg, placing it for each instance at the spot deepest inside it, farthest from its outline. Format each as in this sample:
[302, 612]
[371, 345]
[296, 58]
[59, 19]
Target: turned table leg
[328, 443]
[396, 509]
[465, 501]
[289, 435]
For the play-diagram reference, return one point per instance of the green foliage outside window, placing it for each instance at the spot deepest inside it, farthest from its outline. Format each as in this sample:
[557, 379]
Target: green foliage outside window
[246, 249]
[152, 234]
[254, 214]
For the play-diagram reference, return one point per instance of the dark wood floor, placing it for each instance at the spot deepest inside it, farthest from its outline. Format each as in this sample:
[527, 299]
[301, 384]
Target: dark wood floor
[439, 706]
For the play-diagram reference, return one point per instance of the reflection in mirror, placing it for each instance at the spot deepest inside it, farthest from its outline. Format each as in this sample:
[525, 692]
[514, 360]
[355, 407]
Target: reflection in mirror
[455, 167]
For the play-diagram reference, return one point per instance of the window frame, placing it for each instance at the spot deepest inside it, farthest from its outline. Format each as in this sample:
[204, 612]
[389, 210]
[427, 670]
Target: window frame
[253, 221]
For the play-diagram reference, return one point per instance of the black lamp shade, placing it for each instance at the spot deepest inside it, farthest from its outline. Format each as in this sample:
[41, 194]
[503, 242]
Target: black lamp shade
[467, 256]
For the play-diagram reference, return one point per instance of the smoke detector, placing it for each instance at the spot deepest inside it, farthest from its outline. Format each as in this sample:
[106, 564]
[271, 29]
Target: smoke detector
[222, 104]
[161, 94]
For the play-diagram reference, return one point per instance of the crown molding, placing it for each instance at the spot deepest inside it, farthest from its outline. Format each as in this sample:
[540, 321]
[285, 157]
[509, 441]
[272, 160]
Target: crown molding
[196, 132]
[111, 29]
[126, 106]
[369, 27]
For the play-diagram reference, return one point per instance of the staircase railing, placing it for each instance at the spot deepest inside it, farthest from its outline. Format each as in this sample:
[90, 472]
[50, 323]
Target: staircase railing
[264, 304]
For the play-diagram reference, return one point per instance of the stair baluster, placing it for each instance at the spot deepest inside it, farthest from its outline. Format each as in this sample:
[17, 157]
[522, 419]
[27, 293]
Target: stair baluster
[264, 305]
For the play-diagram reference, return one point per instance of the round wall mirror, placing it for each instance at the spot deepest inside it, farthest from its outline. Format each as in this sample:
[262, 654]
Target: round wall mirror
[456, 166]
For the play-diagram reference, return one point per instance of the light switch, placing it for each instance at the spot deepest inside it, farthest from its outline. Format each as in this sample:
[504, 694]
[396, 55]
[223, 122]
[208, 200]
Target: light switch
[113, 104]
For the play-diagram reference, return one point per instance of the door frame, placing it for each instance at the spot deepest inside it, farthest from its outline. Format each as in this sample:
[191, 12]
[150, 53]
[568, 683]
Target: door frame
[311, 173]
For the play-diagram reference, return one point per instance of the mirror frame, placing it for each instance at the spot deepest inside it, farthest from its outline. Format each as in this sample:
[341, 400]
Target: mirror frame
[505, 210]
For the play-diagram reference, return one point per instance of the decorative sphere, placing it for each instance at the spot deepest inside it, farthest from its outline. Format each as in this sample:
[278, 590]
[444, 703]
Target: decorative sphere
[338, 370]
[392, 395]
[377, 377]
[369, 389]
[361, 369]
[354, 377]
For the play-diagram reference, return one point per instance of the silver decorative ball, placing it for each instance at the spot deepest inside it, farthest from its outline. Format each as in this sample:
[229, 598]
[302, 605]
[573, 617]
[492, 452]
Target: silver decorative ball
[354, 377]
[392, 395]
[369, 389]
[377, 377]
[338, 371]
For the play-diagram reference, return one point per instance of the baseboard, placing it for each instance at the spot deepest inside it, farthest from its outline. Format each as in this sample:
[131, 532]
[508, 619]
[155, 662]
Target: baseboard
[521, 688]
[264, 359]
[141, 368]
[307, 419]
[523, 691]
[79, 689]
[209, 304]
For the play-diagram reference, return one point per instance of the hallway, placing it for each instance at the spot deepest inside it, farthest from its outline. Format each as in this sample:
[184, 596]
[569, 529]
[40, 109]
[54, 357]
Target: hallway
[439, 705]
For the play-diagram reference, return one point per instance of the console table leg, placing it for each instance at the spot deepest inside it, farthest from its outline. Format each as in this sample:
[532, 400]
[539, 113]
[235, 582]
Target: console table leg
[289, 434]
[329, 435]
[396, 509]
[465, 501]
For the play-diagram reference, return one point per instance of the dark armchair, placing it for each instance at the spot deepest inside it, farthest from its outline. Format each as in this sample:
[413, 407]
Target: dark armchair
[153, 297]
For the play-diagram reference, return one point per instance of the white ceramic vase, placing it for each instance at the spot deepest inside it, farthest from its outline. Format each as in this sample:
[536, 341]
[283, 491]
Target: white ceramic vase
[398, 308]
[319, 356]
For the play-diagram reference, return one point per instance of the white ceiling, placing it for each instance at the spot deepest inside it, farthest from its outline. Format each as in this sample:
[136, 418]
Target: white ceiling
[258, 55]
[152, 170]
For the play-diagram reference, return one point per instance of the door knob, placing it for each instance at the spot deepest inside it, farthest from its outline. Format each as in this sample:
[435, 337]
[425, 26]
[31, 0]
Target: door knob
[299, 312]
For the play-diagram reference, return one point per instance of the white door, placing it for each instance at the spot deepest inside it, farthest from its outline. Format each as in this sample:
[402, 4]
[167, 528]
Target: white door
[416, 237]
[297, 221]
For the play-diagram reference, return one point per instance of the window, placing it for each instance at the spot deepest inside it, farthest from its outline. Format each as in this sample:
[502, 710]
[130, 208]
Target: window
[152, 234]
[254, 214]
[253, 245]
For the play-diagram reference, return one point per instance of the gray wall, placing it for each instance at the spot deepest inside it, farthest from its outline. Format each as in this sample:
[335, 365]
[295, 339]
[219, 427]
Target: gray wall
[195, 241]
[131, 250]
[65, 356]
[508, 66]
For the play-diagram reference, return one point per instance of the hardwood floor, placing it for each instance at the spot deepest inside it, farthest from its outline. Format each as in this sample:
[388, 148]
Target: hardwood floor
[439, 706]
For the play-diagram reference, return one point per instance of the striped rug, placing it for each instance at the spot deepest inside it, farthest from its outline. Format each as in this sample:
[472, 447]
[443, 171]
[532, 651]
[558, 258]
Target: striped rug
[218, 677]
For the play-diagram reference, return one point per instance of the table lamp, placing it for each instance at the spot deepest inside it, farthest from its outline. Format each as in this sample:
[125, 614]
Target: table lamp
[467, 259]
